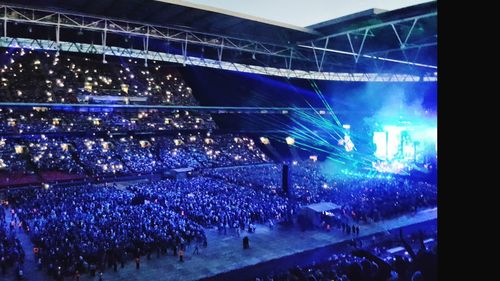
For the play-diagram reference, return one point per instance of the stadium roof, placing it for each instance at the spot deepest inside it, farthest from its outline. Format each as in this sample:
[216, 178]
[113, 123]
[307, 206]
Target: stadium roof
[366, 40]
[304, 13]
[182, 14]
[214, 20]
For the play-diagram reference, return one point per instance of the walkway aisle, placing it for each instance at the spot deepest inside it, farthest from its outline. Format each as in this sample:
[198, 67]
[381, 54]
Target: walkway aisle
[30, 266]
[225, 253]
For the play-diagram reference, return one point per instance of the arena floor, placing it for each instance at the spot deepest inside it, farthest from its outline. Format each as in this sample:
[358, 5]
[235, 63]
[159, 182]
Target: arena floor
[225, 253]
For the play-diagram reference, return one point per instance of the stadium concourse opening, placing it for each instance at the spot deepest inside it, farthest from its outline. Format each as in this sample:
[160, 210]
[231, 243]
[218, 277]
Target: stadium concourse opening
[156, 140]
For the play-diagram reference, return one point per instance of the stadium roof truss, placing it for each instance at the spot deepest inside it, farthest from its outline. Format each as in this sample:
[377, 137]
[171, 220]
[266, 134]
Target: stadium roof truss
[319, 58]
[320, 46]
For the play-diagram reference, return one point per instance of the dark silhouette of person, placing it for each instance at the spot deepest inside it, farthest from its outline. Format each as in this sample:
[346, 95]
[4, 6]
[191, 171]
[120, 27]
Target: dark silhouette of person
[246, 243]
[181, 255]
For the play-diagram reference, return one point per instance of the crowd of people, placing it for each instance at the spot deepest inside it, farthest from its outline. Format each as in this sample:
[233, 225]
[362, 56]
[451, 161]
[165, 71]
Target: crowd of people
[210, 151]
[10, 159]
[50, 77]
[11, 252]
[86, 228]
[92, 227]
[362, 198]
[46, 120]
[41, 143]
[126, 155]
[52, 155]
[46, 77]
[269, 176]
[216, 203]
[89, 228]
[373, 262]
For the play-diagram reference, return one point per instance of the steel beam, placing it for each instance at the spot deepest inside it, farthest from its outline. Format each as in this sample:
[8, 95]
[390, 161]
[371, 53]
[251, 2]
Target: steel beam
[130, 28]
[187, 37]
[9, 42]
[370, 56]
[368, 30]
[374, 26]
